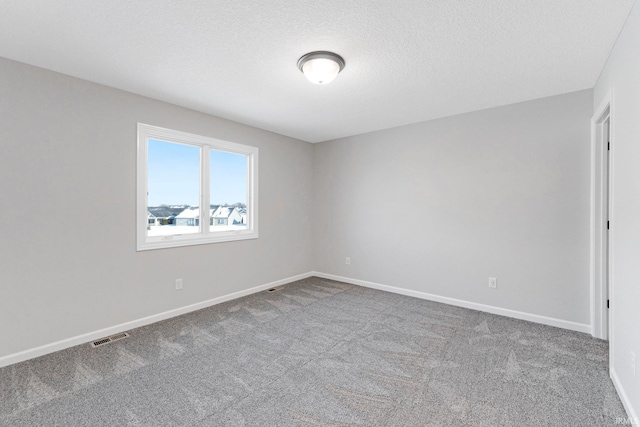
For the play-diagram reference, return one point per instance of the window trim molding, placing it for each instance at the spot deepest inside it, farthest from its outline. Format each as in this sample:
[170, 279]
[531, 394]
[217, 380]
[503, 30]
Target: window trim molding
[204, 236]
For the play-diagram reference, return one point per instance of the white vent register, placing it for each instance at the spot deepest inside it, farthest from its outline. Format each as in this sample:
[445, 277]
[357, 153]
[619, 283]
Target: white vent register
[107, 340]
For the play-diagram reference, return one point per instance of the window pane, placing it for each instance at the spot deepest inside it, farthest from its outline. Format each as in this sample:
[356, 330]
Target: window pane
[228, 191]
[174, 188]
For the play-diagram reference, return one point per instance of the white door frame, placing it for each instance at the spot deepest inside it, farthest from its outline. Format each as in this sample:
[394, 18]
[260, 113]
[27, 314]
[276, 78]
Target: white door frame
[601, 238]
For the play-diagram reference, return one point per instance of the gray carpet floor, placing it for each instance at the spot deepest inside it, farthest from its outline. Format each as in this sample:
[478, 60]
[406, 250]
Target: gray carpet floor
[321, 353]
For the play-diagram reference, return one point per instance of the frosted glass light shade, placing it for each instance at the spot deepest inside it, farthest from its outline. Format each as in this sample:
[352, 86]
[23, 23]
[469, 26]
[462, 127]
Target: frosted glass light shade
[321, 67]
[320, 70]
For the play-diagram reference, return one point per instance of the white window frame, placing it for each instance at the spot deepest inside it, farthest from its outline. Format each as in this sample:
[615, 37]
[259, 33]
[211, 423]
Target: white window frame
[206, 234]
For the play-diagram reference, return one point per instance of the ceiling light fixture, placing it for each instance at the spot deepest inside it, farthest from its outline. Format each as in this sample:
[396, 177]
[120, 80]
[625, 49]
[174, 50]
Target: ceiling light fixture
[320, 67]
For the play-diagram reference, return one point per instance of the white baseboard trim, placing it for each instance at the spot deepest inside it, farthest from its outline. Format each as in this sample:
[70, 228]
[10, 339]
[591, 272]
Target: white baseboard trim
[565, 324]
[631, 413]
[92, 336]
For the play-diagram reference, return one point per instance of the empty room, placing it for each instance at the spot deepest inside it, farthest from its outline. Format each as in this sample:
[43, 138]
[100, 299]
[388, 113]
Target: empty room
[341, 213]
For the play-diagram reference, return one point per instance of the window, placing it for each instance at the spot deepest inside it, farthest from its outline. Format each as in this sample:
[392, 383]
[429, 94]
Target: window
[194, 189]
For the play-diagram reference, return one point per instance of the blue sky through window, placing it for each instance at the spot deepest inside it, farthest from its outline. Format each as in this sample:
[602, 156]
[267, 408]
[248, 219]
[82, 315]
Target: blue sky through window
[174, 175]
[228, 178]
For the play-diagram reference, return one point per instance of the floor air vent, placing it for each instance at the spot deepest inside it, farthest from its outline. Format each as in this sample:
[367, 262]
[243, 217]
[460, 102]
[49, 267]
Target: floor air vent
[107, 340]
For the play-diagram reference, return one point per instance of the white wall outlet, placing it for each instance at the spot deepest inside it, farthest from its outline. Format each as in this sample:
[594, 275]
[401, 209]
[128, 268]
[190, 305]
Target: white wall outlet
[347, 261]
[633, 363]
[493, 282]
[178, 284]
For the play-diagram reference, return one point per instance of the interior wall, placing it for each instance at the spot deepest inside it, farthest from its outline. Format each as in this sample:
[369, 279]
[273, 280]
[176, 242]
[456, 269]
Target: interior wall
[621, 78]
[441, 206]
[68, 257]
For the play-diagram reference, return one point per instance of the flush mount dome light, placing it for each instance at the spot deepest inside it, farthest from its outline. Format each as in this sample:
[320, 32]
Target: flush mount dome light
[320, 67]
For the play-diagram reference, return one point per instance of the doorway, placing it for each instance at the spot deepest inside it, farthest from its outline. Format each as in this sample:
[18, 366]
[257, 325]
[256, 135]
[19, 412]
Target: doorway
[601, 221]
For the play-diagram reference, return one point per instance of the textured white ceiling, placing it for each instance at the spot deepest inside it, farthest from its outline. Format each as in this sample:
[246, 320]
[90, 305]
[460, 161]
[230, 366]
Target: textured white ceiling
[407, 60]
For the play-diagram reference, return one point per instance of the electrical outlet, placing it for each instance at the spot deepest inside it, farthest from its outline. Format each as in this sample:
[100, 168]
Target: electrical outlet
[633, 363]
[493, 282]
[347, 261]
[178, 284]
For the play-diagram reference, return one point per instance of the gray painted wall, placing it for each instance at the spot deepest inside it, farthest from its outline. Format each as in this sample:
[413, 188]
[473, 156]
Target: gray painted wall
[621, 76]
[440, 206]
[68, 257]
